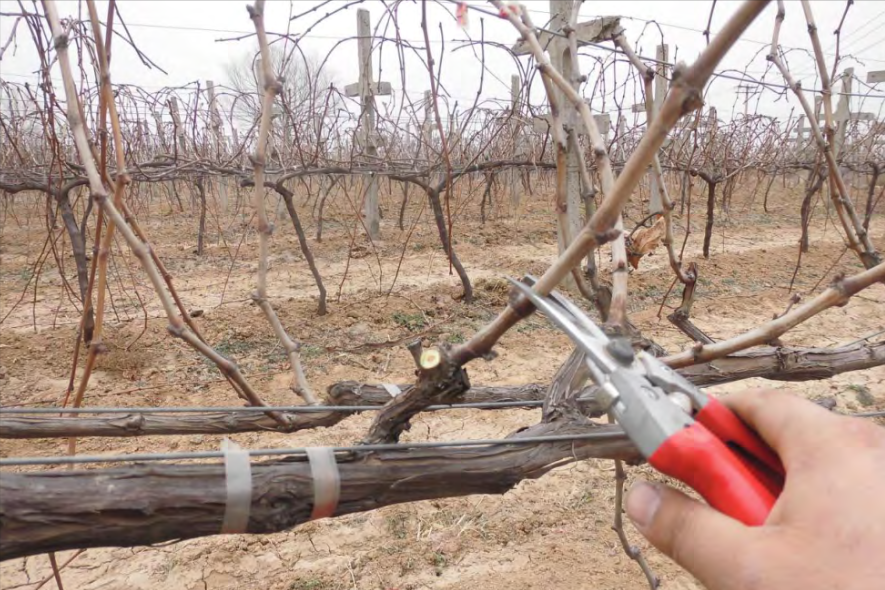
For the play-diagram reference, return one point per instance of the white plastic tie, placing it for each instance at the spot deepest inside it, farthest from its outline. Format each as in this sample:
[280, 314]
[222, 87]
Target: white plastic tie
[326, 481]
[238, 480]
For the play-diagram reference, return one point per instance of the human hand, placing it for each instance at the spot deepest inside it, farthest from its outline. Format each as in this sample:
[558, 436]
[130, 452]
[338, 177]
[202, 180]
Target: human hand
[827, 529]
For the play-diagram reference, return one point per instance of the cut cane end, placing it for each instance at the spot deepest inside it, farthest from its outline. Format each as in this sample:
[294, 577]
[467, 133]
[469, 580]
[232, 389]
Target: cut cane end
[430, 358]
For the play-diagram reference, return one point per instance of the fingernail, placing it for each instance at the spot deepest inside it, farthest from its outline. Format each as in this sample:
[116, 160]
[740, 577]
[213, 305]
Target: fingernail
[643, 501]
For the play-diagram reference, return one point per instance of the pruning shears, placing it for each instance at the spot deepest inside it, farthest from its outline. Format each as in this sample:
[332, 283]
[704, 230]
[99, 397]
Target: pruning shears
[680, 430]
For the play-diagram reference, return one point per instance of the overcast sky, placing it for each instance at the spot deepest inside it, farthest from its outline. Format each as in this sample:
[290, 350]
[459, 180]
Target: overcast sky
[184, 38]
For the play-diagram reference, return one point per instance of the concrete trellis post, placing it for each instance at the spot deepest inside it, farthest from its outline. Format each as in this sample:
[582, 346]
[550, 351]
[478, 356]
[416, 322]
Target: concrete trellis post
[456, 148]
[620, 150]
[800, 135]
[662, 72]
[843, 110]
[513, 177]
[843, 116]
[161, 131]
[179, 141]
[427, 132]
[180, 135]
[366, 90]
[711, 124]
[662, 83]
[145, 131]
[747, 90]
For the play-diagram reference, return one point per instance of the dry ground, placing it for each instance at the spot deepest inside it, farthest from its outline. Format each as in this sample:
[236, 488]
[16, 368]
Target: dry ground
[550, 533]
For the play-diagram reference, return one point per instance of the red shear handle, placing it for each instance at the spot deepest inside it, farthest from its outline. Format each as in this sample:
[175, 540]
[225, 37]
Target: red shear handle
[741, 439]
[695, 456]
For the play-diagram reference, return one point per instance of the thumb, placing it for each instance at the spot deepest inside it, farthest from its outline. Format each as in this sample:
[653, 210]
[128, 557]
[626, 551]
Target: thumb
[703, 541]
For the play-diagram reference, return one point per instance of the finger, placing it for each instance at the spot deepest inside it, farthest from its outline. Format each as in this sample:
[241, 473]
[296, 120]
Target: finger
[794, 427]
[703, 541]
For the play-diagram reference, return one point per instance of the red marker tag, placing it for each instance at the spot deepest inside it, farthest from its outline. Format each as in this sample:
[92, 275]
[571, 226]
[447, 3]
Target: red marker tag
[511, 8]
[461, 14]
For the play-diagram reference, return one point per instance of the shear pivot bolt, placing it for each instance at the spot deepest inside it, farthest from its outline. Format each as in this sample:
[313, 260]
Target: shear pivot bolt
[621, 350]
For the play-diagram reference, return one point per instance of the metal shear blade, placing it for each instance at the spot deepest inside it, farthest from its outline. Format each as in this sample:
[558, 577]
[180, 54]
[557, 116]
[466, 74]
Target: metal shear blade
[576, 313]
[583, 332]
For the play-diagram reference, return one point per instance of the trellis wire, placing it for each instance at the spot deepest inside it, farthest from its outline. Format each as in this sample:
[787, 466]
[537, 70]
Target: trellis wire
[746, 79]
[302, 451]
[865, 338]
[293, 409]
[309, 409]
[878, 414]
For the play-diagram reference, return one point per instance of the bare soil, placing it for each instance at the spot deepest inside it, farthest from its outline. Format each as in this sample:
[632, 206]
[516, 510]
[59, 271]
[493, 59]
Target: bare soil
[554, 532]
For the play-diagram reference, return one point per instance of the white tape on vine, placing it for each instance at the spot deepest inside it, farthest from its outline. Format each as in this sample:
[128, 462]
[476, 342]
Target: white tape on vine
[238, 480]
[392, 389]
[326, 481]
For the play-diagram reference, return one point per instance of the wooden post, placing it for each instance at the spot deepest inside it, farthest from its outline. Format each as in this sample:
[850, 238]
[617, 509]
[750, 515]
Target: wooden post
[366, 90]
